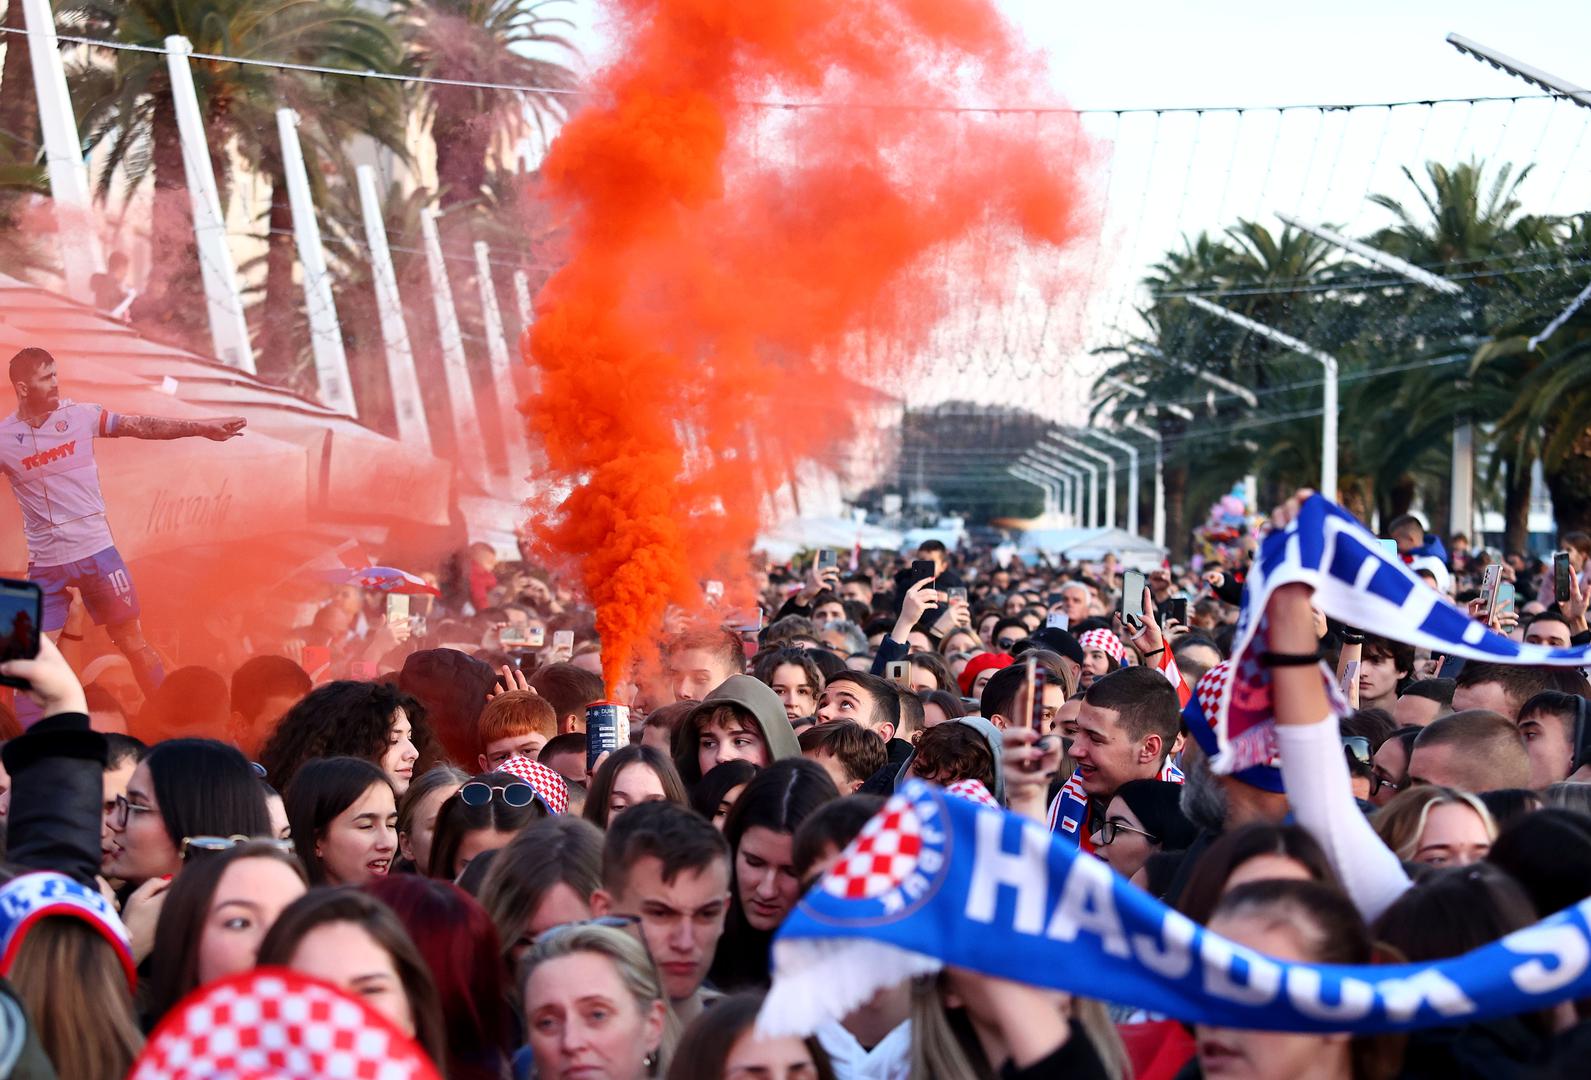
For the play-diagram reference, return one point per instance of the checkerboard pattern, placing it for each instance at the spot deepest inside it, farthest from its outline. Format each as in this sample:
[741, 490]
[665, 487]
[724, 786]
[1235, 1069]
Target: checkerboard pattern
[279, 1025]
[882, 856]
[1106, 642]
[548, 784]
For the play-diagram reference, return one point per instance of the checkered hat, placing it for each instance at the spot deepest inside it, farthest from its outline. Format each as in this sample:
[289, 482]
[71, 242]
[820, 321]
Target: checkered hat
[1200, 716]
[972, 788]
[548, 784]
[1106, 642]
[274, 1024]
[881, 857]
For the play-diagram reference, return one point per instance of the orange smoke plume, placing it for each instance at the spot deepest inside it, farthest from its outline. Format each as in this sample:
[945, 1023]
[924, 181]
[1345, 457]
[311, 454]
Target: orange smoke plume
[734, 273]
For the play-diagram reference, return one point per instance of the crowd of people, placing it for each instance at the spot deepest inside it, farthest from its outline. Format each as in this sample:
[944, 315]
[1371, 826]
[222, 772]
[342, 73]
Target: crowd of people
[433, 840]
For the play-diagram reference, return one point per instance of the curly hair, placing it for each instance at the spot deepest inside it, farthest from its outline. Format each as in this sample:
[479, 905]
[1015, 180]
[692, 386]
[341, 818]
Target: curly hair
[341, 719]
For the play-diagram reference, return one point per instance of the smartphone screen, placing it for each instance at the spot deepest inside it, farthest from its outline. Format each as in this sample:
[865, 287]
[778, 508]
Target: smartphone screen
[1177, 609]
[536, 637]
[1132, 597]
[828, 558]
[1059, 620]
[899, 672]
[1505, 598]
[1560, 576]
[21, 612]
[953, 595]
[564, 641]
[397, 606]
[714, 591]
[1389, 548]
[1053, 599]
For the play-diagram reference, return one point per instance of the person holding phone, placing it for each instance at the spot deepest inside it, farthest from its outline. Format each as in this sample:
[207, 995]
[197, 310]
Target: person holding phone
[47, 452]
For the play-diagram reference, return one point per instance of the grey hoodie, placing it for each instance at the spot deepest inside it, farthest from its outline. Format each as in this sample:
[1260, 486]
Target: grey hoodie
[992, 736]
[757, 698]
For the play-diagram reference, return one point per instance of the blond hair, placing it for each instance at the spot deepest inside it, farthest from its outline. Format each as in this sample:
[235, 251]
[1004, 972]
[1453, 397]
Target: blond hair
[1401, 822]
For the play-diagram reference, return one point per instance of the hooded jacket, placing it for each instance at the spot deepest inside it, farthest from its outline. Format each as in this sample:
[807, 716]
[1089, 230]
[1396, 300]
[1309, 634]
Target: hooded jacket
[755, 697]
[992, 736]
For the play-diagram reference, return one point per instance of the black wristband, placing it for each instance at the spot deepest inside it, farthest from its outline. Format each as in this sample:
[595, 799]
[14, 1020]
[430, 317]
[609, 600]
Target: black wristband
[1157, 652]
[1288, 659]
[1351, 639]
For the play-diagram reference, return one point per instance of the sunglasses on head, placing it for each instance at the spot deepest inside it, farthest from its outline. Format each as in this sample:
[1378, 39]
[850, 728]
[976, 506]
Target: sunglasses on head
[1357, 747]
[213, 844]
[479, 793]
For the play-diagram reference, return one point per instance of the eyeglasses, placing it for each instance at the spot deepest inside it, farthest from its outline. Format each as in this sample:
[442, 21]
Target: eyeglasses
[479, 793]
[212, 844]
[1007, 642]
[1113, 826]
[123, 810]
[1357, 747]
[1380, 780]
[612, 922]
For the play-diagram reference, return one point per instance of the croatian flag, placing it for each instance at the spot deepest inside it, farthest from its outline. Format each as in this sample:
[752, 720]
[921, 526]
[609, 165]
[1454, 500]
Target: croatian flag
[934, 881]
[1354, 582]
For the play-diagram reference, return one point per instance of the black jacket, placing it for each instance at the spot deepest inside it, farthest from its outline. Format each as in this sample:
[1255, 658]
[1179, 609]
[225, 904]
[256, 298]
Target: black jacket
[57, 795]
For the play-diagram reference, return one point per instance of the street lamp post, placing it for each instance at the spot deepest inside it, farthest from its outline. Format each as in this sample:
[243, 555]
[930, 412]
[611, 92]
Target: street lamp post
[1054, 458]
[1328, 417]
[1132, 473]
[1158, 529]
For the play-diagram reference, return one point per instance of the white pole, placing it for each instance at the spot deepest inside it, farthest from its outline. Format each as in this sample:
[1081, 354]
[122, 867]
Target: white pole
[1110, 482]
[63, 152]
[455, 368]
[522, 298]
[1376, 257]
[407, 405]
[325, 334]
[1132, 473]
[1461, 514]
[229, 331]
[1056, 455]
[1237, 390]
[1328, 427]
[502, 369]
[1047, 486]
[1159, 528]
[1062, 482]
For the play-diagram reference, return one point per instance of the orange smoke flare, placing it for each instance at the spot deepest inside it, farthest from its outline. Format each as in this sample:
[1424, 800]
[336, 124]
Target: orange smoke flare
[726, 261]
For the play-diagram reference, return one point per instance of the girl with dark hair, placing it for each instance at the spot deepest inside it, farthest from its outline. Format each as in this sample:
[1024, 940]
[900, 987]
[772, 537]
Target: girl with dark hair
[631, 775]
[794, 676]
[939, 707]
[482, 815]
[1549, 854]
[1256, 852]
[930, 672]
[418, 810]
[717, 792]
[763, 882]
[182, 788]
[215, 916]
[355, 942]
[1143, 817]
[543, 878]
[1302, 922]
[344, 819]
[722, 1044]
[459, 944]
[371, 720]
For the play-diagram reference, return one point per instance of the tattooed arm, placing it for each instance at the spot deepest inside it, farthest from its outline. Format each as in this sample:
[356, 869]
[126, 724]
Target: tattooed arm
[160, 427]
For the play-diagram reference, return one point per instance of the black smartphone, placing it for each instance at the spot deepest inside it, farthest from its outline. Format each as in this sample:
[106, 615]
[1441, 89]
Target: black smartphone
[1560, 576]
[1053, 599]
[21, 615]
[1038, 678]
[922, 568]
[1177, 608]
[828, 559]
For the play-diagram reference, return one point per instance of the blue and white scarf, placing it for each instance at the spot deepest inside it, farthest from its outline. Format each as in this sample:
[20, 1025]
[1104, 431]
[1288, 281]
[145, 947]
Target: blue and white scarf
[935, 880]
[1356, 583]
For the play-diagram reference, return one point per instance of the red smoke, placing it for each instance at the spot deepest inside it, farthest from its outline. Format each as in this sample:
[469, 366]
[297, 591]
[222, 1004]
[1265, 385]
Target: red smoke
[734, 272]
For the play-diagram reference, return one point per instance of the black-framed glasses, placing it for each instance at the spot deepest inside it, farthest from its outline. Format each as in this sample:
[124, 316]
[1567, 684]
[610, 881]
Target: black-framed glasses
[1113, 827]
[213, 844]
[122, 812]
[1379, 780]
[479, 793]
[1006, 643]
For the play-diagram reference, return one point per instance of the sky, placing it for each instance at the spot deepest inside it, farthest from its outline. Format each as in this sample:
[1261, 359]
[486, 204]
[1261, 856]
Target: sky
[1170, 174]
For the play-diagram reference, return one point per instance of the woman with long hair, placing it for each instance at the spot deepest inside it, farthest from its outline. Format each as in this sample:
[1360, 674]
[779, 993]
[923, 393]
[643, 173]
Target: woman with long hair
[418, 811]
[594, 1002]
[216, 914]
[354, 941]
[1437, 826]
[345, 820]
[722, 1044]
[483, 815]
[543, 878]
[371, 720]
[715, 794]
[459, 944]
[764, 886]
[631, 775]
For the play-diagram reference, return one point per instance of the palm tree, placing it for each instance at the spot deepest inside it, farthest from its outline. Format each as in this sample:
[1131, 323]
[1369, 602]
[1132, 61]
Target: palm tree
[485, 41]
[129, 106]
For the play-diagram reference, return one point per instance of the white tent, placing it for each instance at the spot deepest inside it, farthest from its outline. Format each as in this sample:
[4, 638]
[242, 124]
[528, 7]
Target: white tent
[788, 537]
[1092, 545]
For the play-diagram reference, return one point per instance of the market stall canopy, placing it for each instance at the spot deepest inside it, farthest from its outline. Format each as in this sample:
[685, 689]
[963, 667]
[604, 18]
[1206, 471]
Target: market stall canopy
[842, 533]
[1092, 545]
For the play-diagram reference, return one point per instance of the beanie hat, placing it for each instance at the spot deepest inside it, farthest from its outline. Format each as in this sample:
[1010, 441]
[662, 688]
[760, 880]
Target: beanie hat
[27, 899]
[1199, 715]
[981, 663]
[1106, 642]
[1060, 642]
[274, 1024]
[550, 787]
[1157, 804]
